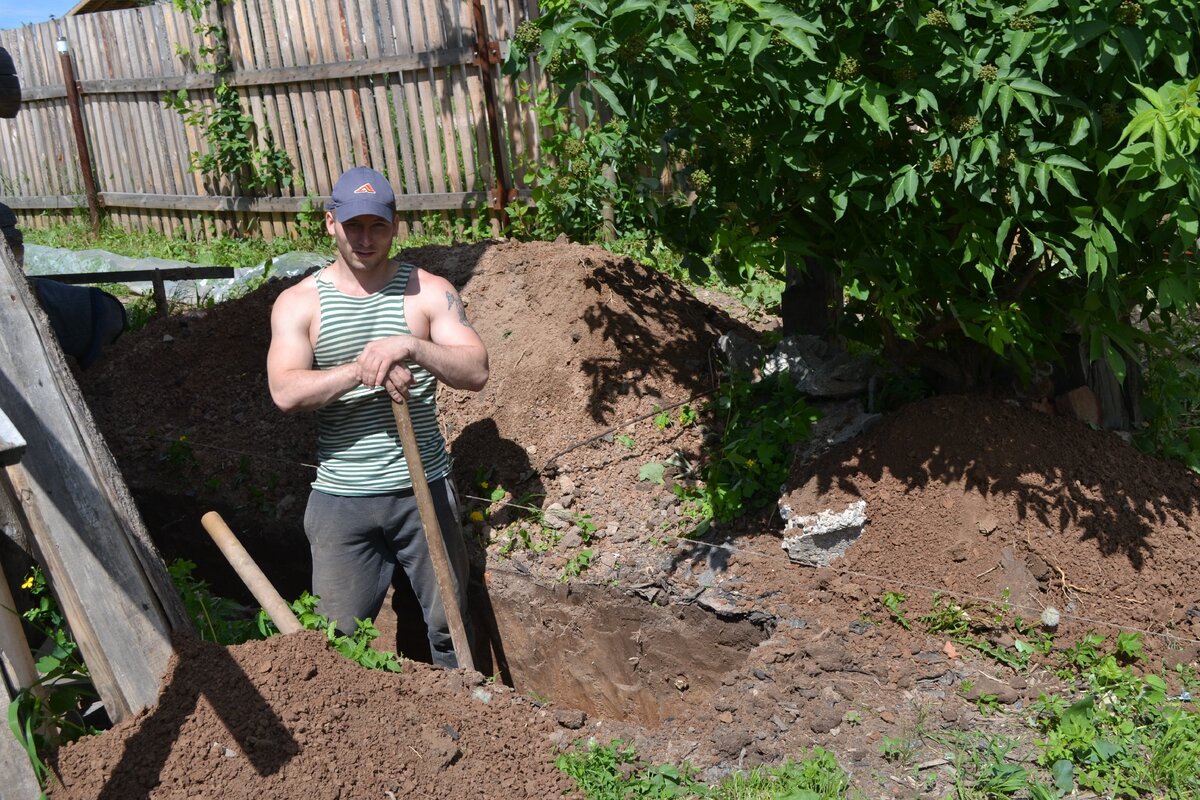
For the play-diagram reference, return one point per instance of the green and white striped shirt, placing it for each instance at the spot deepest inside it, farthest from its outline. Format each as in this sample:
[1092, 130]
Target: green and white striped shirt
[358, 448]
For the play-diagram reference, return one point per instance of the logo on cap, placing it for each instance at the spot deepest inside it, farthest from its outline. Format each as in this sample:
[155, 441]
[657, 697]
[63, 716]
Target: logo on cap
[366, 188]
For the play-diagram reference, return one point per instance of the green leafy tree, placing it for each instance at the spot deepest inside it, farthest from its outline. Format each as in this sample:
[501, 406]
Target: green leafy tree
[981, 178]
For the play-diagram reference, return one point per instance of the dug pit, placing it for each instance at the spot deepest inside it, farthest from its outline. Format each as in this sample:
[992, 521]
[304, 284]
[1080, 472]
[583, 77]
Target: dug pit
[612, 654]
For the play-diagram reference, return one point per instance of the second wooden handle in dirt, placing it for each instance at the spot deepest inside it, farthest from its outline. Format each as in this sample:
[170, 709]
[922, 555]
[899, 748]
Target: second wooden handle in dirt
[275, 606]
[433, 536]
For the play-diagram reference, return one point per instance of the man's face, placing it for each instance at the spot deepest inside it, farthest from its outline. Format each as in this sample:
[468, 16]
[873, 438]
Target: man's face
[363, 242]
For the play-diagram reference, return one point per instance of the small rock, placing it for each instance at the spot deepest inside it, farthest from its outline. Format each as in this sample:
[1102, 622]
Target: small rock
[988, 524]
[570, 718]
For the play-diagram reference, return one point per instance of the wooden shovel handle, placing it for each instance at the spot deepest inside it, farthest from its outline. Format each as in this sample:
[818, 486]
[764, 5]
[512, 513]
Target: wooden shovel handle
[433, 535]
[279, 611]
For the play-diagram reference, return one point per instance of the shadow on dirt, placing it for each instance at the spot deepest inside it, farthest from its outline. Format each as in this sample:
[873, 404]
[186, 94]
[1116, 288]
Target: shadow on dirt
[659, 329]
[255, 729]
[1061, 474]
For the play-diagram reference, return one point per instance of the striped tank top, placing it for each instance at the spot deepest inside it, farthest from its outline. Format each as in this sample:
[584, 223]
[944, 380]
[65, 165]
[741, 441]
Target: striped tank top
[358, 448]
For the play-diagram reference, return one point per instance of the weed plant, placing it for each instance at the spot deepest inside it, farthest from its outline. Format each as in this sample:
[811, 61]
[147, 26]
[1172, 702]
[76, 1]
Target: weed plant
[217, 619]
[760, 422]
[613, 771]
[51, 712]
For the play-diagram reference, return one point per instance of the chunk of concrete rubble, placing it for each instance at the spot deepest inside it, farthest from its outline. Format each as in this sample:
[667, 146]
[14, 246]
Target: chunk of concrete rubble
[825, 536]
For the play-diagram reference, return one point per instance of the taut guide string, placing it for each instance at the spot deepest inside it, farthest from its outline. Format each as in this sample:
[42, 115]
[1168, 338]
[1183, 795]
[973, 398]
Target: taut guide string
[1066, 615]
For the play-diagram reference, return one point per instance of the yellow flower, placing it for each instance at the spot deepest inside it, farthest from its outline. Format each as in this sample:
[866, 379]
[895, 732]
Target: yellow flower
[28, 584]
[475, 516]
[484, 485]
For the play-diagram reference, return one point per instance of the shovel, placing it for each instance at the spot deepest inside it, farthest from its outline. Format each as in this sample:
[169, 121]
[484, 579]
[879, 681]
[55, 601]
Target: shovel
[433, 535]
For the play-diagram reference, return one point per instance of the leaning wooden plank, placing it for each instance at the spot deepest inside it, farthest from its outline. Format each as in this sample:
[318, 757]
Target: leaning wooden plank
[106, 574]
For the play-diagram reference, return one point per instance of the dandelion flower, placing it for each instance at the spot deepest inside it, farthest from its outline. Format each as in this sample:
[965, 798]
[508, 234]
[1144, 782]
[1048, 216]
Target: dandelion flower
[475, 516]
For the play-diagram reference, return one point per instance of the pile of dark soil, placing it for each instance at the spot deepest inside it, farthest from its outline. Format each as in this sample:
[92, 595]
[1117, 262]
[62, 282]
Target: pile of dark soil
[993, 504]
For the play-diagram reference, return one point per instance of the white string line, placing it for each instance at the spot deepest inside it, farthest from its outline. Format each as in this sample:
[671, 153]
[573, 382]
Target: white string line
[960, 595]
[840, 571]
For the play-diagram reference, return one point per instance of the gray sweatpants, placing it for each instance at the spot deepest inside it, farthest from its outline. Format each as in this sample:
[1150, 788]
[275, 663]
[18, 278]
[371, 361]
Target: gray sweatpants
[356, 544]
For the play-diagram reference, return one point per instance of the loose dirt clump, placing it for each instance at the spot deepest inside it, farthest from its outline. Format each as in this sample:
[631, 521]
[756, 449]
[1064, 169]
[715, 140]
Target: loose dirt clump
[718, 651]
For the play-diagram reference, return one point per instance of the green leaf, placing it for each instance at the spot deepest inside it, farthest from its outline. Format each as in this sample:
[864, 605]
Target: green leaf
[1064, 160]
[758, 42]
[587, 48]
[1063, 772]
[876, 107]
[1154, 97]
[682, 47]
[1006, 99]
[1020, 43]
[652, 472]
[1032, 86]
[601, 88]
[1134, 44]
[1137, 126]
[732, 35]
[1066, 180]
[630, 6]
[1079, 130]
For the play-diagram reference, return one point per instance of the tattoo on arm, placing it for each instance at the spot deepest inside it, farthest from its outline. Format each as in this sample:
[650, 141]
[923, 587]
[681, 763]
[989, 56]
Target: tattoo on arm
[452, 300]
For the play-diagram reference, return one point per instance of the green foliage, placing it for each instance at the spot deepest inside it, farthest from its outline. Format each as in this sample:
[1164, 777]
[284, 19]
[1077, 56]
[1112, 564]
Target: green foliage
[1171, 397]
[760, 425]
[817, 777]
[356, 646]
[614, 772]
[985, 176]
[217, 619]
[50, 713]
[574, 182]
[577, 565]
[224, 251]
[233, 149]
[1123, 738]
[234, 152]
[893, 601]
[653, 472]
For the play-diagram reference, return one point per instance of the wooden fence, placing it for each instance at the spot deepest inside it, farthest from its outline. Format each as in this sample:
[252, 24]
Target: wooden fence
[409, 87]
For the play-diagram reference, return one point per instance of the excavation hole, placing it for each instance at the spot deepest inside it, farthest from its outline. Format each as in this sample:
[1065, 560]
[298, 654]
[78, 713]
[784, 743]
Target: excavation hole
[599, 650]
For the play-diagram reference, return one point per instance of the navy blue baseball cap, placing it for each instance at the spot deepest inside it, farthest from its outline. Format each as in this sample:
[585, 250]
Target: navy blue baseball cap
[362, 190]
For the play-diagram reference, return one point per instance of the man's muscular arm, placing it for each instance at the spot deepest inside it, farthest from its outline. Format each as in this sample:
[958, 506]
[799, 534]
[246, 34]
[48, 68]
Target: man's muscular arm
[294, 384]
[453, 352]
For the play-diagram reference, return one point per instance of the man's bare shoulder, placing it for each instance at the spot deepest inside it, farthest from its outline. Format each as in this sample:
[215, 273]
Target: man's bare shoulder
[298, 295]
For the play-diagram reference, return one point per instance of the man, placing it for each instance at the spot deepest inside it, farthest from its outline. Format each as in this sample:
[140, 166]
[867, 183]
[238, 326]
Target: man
[346, 342]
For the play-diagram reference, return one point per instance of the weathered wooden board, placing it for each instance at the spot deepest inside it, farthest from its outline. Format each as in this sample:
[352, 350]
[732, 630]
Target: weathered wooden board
[105, 572]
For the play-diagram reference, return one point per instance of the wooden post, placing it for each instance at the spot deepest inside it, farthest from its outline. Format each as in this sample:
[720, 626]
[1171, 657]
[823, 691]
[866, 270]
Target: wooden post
[81, 143]
[487, 56]
[161, 307]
